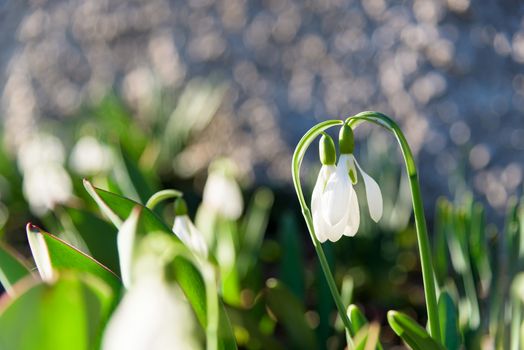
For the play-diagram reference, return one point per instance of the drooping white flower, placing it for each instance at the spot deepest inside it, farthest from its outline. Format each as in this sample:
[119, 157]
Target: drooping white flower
[89, 156]
[223, 195]
[184, 228]
[334, 202]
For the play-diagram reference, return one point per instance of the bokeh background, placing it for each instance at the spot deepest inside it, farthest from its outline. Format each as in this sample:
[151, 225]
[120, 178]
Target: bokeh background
[179, 84]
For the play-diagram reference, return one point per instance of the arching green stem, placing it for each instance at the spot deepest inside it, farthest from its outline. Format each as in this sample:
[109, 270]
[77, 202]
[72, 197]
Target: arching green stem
[418, 212]
[298, 156]
[162, 196]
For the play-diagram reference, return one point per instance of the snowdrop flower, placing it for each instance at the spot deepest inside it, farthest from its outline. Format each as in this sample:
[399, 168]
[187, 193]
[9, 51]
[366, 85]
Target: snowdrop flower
[90, 157]
[46, 183]
[153, 314]
[222, 194]
[184, 228]
[334, 203]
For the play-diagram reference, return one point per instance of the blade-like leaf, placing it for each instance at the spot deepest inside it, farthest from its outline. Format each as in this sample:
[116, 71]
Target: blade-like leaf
[68, 314]
[12, 268]
[449, 324]
[413, 335]
[55, 254]
[290, 312]
[98, 235]
[360, 322]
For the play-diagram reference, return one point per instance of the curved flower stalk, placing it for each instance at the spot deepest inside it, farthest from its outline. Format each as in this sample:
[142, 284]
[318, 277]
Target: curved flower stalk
[373, 196]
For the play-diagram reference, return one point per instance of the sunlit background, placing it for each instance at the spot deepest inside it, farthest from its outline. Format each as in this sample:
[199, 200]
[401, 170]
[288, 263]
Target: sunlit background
[172, 86]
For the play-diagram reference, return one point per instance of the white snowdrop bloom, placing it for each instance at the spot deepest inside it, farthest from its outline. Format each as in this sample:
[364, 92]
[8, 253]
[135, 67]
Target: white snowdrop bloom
[90, 157]
[184, 228]
[223, 195]
[153, 315]
[334, 203]
[40, 148]
[45, 185]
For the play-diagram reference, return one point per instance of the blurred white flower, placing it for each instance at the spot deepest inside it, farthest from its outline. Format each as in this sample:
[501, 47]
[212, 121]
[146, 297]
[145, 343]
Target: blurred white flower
[223, 195]
[45, 186]
[40, 148]
[184, 228]
[90, 157]
[153, 315]
[46, 183]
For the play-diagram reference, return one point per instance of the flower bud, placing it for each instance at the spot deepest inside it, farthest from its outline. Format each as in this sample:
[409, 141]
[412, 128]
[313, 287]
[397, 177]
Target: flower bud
[346, 141]
[180, 207]
[327, 151]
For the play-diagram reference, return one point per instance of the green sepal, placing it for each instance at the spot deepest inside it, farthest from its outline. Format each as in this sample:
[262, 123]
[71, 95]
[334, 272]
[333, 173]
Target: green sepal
[327, 150]
[346, 141]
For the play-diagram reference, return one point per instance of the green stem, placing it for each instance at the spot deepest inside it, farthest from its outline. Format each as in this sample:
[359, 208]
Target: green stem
[418, 211]
[162, 196]
[298, 156]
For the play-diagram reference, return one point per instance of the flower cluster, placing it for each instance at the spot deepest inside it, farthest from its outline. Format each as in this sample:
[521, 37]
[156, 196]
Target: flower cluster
[334, 202]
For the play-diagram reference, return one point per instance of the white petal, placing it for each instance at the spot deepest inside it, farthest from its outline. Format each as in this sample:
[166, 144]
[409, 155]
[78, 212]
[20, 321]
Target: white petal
[373, 195]
[189, 235]
[335, 199]
[319, 224]
[353, 221]
[125, 242]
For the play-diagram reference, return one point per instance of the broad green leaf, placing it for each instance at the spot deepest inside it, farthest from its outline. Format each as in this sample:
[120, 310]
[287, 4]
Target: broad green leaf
[98, 235]
[12, 268]
[68, 314]
[449, 323]
[413, 335]
[118, 208]
[290, 312]
[51, 253]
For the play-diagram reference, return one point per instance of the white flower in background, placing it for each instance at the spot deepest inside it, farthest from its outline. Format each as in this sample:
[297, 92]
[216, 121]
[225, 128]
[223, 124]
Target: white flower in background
[222, 193]
[39, 149]
[90, 157]
[184, 228]
[334, 202]
[153, 314]
[46, 183]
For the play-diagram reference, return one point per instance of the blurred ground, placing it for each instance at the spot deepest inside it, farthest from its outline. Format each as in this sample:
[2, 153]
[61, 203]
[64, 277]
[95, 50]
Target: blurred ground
[451, 71]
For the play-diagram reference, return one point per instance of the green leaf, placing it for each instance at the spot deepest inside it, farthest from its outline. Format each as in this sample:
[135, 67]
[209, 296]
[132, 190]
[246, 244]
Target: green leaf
[130, 178]
[290, 312]
[292, 262]
[118, 208]
[413, 335]
[12, 268]
[51, 253]
[367, 338]
[449, 323]
[98, 235]
[360, 322]
[68, 314]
